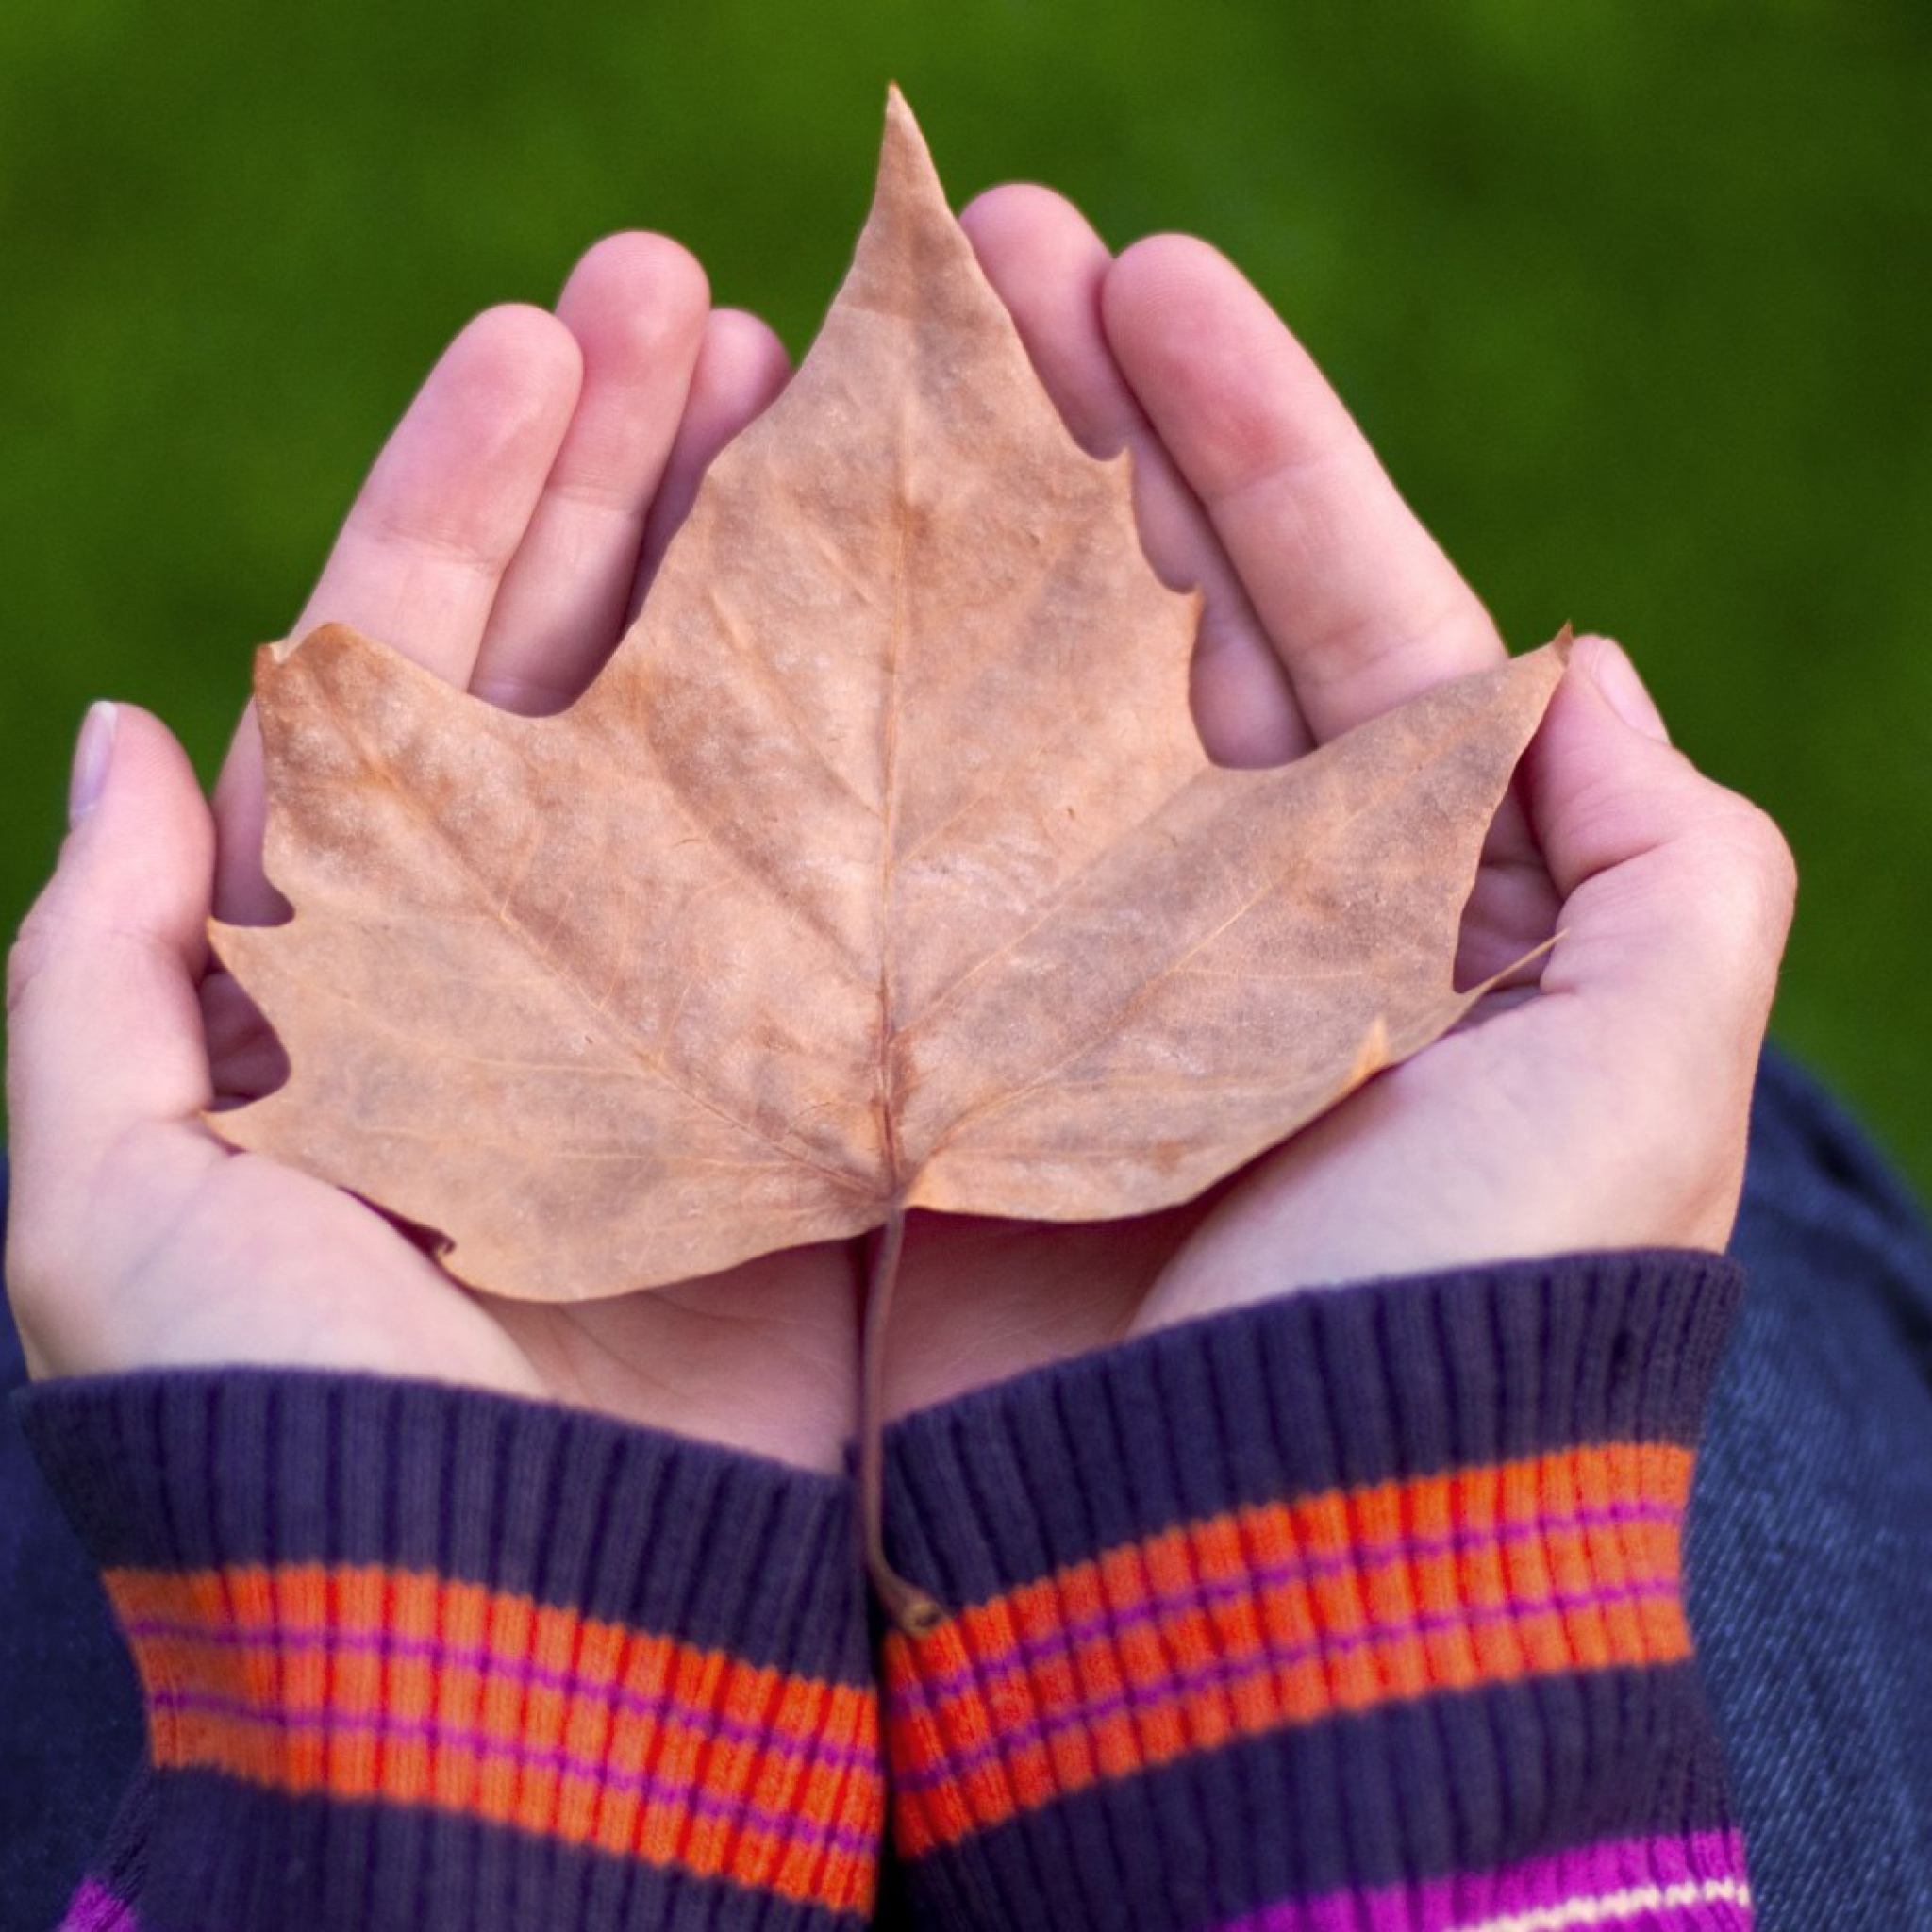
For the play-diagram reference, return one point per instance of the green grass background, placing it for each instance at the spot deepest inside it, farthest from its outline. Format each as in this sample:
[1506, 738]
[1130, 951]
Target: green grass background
[1636, 299]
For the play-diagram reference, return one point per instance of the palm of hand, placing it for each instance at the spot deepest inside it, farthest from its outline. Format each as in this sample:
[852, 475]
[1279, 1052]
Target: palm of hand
[262, 1263]
[984, 1300]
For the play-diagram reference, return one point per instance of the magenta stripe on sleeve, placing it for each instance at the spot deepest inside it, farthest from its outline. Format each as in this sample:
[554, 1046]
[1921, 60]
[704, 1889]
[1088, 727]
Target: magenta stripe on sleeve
[94, 1908]
[1695, 1884]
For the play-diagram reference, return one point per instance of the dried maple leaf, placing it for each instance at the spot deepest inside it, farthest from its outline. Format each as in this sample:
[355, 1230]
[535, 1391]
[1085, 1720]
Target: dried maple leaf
[880, 868]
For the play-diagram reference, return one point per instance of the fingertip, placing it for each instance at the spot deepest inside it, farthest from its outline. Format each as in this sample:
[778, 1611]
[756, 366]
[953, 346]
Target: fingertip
[511, 371]
[92, 752]
[115, 941]
[1602, 767]
[1214, 366]
[1606, 666]
[1156, 261]
[141, 845]
[1607, 792]
[636, 296]
[1597, 790]
[639, 259]
[743, 359]
[451, 493]
[742, 367]
[1158, 275]
[1047, 265]
[1022, 215]
[127, 764]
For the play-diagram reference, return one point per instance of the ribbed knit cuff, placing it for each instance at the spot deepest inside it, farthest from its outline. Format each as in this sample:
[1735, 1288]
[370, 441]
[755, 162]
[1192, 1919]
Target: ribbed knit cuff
[1358, 1602]
[418, 1657]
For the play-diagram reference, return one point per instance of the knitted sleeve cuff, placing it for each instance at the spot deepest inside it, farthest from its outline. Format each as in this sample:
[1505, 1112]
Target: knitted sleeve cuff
[417, 1655]
[1359, 1608]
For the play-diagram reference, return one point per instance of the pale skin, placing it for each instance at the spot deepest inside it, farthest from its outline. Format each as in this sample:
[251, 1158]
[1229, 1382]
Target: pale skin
[504, 536]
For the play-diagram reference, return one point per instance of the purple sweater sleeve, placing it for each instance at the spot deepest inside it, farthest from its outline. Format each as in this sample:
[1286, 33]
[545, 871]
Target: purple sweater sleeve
[417, 1657]
[1361, 1610]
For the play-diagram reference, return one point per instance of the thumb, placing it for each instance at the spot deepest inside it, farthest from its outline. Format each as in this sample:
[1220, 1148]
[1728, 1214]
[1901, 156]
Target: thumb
[1676, 892]
[104, 1028]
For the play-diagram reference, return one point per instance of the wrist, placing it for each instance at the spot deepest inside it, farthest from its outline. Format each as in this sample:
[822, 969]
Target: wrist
[1478, 1152]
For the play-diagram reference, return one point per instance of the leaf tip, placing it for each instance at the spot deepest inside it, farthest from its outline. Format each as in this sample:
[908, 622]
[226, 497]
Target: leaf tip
[320, 637]
[905, 164]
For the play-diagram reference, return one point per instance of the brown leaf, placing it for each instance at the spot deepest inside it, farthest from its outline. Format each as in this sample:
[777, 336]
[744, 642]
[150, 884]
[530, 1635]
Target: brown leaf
[881, 867]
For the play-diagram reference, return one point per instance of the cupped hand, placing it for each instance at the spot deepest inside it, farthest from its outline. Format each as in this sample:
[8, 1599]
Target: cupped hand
[502, 539]
[1606, 1111]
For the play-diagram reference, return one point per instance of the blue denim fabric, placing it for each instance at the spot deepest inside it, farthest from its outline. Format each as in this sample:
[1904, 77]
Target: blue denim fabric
[1811, 1565]
[71, 1731]
[1811, 1540]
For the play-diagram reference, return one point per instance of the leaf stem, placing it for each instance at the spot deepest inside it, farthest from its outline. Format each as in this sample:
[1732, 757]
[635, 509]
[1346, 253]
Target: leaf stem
[908, 1607]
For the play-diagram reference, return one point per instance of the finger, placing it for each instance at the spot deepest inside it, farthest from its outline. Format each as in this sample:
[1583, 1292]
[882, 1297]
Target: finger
[1513, 908]
[1362, 604]
[424, 549]
[1676, 899]
[245, 1055]
[637, 306]
[1676, 892]
[105, 1030]
[741, 369]
[1048, 267]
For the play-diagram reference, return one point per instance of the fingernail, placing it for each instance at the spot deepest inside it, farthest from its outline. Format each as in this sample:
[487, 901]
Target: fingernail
[1624, 691]
[92, 756]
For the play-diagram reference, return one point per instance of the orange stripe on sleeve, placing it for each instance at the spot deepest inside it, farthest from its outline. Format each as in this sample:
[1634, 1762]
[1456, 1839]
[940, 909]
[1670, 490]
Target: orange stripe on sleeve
[1285, 1614]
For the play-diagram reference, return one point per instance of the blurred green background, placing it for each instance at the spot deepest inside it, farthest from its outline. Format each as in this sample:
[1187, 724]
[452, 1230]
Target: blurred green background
[1634, 299]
